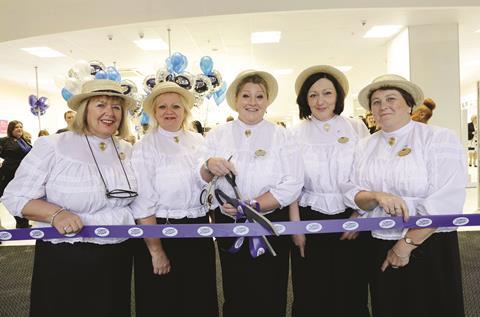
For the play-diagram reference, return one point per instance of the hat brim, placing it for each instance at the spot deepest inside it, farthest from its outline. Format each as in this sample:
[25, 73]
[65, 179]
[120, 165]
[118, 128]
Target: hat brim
[75, 101]
[414, 90]
[269, 79]
[163, 89]
[337, 74]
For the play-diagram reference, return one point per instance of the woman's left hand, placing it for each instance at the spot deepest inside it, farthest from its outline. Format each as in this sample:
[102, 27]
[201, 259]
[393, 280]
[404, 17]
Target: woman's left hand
[397, 256]
[351, 235]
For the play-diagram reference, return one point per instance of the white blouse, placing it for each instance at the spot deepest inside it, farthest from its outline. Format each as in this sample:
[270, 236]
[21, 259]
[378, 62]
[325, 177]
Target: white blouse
[60, 169]
[166, 168]
[265, 157]
[423, 164]
[327, 149]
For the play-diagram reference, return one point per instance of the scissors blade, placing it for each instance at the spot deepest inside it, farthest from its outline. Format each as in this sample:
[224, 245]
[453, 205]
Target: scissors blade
[254, 215]
[269, 246]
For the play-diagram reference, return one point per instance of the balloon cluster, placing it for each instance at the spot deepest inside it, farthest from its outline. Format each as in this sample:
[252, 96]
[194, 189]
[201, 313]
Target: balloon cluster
[39, 106]
[207, 84]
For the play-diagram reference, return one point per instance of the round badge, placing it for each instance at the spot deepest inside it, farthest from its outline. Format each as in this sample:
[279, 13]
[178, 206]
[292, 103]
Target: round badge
[461, 221]
[4, 235]
[135, 232]
[350, 225]
[239, 242]
[387, 223]
[313, 227]
[37, 234]
[280, 228]
[260, 251]
[343, 140]
[102, 232]
[405, 152]
[423, 222]
[170, 231]
[205, 231]
[241, 230]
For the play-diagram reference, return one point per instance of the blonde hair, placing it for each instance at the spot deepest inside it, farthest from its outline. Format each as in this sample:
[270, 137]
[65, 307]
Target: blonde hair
[80, 123]
[187, 113]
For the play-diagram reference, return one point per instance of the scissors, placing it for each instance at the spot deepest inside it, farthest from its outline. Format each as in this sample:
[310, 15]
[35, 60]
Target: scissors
[250, 213]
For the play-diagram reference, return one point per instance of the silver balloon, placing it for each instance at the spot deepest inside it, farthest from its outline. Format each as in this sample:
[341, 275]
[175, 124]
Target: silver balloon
[162, 74]
[130, 88]
[185, 80]
[95, 67]
[203, 85]
[148, 83]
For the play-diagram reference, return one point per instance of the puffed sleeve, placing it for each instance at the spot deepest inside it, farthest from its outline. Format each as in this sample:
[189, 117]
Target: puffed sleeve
[144, 157]
[30, 177]
[290, 185]
[447, 175]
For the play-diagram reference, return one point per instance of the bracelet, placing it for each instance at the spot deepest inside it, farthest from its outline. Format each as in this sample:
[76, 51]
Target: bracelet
[56, 214]
[205, 165]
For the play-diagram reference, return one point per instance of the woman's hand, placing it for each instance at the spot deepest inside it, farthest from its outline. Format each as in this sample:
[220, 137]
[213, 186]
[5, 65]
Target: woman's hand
[351, 235]
[397, 256]
[67, 222]
[230, 210]
[160, 262]
[299, 240]
[392, 205]
[219, 166]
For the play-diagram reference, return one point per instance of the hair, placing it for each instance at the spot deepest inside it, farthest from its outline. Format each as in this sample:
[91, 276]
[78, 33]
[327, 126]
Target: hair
[43, 132]
[67, 112]
[426, 108]
[80, 123]
[406, 96]
[183, 102]
[230, 118]
[198, 126]
[302, 99]
[254, 79]
[11, 126]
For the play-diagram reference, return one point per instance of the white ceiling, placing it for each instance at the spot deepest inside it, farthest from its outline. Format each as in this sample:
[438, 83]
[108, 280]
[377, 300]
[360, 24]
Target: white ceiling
[311, 37]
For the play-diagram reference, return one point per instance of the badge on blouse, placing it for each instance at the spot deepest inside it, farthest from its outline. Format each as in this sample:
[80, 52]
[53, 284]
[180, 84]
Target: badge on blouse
[260, 152]
[122, 155]
[343, 140]
[176, 139]
[102, 146]
[248, 133]
[404, 152]
[326, 127]
[391, 141]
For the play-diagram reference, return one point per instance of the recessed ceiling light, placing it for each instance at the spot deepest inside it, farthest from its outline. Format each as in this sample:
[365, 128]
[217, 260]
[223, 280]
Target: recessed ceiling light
[151, 44]
[477, 31]
[265, 37]
[382, 31]
[344, 68]
[285, 71]
[42, 51]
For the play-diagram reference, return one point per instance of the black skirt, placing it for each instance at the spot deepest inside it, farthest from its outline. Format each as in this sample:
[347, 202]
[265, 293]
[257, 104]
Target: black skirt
[430, 285]
[332, 278]
[81, 279]
[189, 289]
[254, 286]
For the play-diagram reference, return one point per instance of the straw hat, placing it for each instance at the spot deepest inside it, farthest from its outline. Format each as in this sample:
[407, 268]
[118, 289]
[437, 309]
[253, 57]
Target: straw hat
[390, 80]
[272, 86]
[337, 74]
[166, 87]
[99, 87]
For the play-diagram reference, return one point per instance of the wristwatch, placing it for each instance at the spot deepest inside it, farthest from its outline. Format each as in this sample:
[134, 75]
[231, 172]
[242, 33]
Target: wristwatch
[205, 165]
[410, 241]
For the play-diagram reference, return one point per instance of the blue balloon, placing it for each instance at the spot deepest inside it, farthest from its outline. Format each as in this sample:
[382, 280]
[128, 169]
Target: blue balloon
[101, 75]
[219, 98]
[66, 94]
[145, 119]
[113, 74]
[206, 65]
[177, 63]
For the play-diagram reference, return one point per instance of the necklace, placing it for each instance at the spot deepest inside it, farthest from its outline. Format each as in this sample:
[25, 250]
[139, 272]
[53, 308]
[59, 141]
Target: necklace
[102, 146]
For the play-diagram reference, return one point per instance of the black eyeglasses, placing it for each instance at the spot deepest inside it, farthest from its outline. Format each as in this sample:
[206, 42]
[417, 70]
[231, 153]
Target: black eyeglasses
[115, 193]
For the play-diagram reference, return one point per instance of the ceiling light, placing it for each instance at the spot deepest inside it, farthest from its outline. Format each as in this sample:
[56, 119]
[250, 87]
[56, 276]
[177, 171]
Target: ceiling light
[285, 71]
[477, 31]
[343, 68]
[42, 51]
[265, 37]
[382, 31]
[151, 44]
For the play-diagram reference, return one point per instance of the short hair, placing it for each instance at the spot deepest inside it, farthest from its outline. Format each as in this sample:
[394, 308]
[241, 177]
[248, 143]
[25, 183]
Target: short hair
[198, 126]
[406, 96]
[67, 112]
[11, 126]
[153, 121]
[254, 79]
[80, 123]
[302, 99]
[43, 132]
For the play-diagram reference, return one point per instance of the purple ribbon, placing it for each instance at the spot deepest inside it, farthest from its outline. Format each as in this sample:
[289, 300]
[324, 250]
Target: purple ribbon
[245, 229]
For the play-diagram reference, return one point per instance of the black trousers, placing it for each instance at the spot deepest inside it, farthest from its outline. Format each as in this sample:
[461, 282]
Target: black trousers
[190, 287]
[430, 285]
[254, 287]
[332, 278]
[81, 279]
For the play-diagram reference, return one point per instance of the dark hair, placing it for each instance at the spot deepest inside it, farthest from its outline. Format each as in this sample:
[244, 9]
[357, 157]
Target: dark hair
[67, 112]
[302, 98]
[198, 126]
[406, 96]
[11, 127]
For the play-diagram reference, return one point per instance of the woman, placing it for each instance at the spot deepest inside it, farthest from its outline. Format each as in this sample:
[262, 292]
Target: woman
[409, 169]
[70, 180]
[321, 264]
[173, 276]
[269, 175]
[472, 141]
[13, 148]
